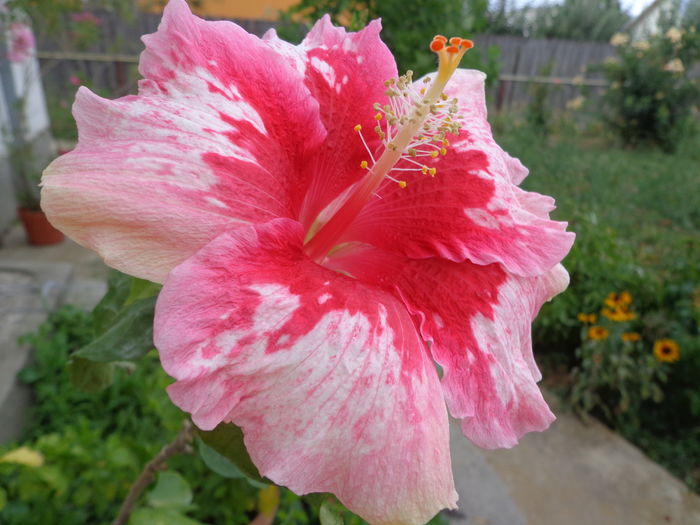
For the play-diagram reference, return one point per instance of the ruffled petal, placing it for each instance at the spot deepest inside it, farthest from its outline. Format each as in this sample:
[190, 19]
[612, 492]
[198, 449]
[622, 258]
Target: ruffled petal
[345, 72]
[479, 319]
[326, 376]
[218, 135]
[472, 208]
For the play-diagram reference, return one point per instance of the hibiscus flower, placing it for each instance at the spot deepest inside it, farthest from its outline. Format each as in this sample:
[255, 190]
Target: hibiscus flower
[326, 232]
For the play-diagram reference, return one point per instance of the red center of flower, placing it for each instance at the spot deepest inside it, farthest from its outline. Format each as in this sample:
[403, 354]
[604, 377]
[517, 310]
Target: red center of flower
[416, 121]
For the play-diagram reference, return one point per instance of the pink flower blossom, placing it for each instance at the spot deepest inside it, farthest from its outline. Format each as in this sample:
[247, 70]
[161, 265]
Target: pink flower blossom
[307, 260]
[21, 42]
[75, 80]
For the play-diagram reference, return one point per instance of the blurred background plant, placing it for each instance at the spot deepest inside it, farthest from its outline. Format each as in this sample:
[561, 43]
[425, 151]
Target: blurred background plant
[617, 368]
[652, 99]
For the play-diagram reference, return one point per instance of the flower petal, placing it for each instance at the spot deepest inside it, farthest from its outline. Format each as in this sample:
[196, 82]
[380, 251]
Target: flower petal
[472, 208]
[345, 72]
[218, 135]
[326, 376]
[478, 318]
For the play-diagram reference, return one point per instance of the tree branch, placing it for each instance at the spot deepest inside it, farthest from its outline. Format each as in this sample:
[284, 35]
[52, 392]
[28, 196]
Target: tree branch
[179, 445]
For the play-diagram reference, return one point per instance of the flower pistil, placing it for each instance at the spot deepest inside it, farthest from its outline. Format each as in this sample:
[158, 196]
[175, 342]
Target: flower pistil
[416, 123]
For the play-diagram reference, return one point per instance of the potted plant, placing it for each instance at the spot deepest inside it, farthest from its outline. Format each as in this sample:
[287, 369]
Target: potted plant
[26, 176]
[25, 162]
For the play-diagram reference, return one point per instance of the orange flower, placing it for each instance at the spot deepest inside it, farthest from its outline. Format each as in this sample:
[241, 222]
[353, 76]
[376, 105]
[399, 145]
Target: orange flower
[614, 300]
[619, 313]
[667, 351]
[631, 336]
[597, 333]
[587, 318]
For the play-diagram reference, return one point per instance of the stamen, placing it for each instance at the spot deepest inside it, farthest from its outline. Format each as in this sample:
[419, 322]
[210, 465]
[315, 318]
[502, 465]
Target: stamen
[414, 123]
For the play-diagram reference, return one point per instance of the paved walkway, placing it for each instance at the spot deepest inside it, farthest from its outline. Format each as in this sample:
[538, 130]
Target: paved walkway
[572, 474]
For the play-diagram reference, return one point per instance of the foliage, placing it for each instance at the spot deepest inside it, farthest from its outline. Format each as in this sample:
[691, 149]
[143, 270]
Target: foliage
[590, 20]
[408, 27]
[617, 369]
[651, 97]
[537, 113]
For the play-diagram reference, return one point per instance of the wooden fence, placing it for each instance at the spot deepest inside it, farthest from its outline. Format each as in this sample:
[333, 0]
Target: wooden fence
[111, 66]
[562, 66]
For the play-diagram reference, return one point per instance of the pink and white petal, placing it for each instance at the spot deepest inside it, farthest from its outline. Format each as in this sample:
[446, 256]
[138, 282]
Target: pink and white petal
[479, 319]
[345, 72]
[470, 210]
[327, 377]
[210, 142]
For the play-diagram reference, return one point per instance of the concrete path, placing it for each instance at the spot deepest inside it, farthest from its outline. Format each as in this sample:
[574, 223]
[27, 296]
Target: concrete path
[575, 473]
[34, 281]
[572, 474]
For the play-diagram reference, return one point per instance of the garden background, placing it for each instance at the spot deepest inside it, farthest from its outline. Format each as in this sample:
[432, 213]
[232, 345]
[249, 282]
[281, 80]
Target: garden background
[601, 107]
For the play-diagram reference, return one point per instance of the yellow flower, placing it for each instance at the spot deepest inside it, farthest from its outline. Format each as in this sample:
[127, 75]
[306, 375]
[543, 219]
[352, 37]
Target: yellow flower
[674, 35]
[642, 45]
[23, 456]
[597, 333]
[675, 66]
[616, 299]
[587, 318]
[619, 314]
[575, 103]
[619, 39]
[631, 336]
[667, 351]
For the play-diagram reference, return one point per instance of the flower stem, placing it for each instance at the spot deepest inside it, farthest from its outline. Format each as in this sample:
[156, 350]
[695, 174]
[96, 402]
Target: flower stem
[179, 445]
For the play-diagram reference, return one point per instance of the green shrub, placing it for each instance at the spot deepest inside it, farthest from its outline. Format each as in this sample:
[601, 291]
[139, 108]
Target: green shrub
[651, 96]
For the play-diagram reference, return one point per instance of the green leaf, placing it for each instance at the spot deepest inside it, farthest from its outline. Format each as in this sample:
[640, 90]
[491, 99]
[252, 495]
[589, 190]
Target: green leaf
[218, 463]
[3, 498]
[227, 440]
[160, 517]
[171, 491]
[118, 290]
[90, 376]
[328, 515]
[130, 336]
[141, 289]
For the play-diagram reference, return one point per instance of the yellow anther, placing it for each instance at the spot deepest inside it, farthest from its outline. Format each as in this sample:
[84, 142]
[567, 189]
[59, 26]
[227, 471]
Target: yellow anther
[432, 171]
[443, 96]
[424, 170]
[402, 184]
[364, 164]
[378, 116]
[358, 128]
[391, 146]
[445, 142]
[443, 151]
[422, 91]
[434, 154]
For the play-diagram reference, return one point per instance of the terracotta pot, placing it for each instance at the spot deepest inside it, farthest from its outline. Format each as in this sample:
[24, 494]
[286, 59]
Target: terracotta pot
[38, 229]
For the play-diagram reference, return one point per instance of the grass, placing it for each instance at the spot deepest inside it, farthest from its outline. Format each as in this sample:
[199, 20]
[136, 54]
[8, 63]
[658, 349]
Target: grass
[646, 195]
